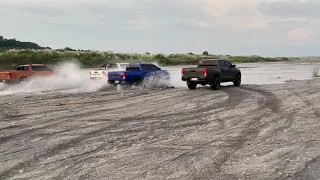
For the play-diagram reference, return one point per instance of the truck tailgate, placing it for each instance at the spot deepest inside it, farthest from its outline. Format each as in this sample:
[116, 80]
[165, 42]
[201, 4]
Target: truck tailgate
[194, 72]
[116, 75]
[4, 75]
[97, 73]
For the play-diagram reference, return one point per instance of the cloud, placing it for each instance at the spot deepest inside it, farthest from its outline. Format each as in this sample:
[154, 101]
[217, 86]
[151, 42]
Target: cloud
[236, 14]
[291, 9]
[300, 34]
[198, 13]
[220, 26]
[298, 12]
[159, 14]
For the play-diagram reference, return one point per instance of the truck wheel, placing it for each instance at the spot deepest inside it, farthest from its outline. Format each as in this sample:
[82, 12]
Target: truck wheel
[192, 86]
[23, 79]
[237, 81]
[137, 82]
[216, 84]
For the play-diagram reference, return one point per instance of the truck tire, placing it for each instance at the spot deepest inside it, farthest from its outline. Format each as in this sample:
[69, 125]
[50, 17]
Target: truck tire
[216, 83]
[237, 81]
[23, 80]
[137, 82]
[192, 86]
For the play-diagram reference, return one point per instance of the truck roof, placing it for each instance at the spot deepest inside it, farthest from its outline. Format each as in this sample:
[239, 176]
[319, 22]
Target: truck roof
[138, 64]
[33, 65]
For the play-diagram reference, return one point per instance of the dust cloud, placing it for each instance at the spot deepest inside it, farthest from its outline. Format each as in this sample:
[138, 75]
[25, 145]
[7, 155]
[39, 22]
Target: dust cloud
[175, 75]
[69, 77]
[2, 86]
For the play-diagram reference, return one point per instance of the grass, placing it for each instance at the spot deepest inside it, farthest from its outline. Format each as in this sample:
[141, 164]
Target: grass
[315, 72]
[97, 58]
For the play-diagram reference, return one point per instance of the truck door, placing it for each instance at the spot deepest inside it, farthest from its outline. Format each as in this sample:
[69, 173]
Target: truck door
[27, 71]
[20, 74]
[149, 69]
[230, 70]
[40, 70]
[223, 70]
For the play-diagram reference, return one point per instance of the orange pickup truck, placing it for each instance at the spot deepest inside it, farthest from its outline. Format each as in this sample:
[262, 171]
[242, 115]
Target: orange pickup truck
[24, 72]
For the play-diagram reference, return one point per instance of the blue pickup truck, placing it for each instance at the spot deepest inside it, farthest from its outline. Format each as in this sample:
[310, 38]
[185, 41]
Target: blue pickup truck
[136, 73]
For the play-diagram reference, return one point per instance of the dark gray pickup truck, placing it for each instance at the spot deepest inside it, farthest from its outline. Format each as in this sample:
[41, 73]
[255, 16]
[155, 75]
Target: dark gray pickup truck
[211, 72]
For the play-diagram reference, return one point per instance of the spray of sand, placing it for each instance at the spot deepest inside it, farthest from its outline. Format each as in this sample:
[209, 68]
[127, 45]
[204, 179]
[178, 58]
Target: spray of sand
[175, 75]
[153, 81]
[69, 77]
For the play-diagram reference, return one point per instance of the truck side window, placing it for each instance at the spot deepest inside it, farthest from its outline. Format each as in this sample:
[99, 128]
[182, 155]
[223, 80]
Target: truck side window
[26, 68]
[145, 67]
[20, 68]
[41, 68]
[221, 64]
[153, 67]
[149, 67]
[227, 64]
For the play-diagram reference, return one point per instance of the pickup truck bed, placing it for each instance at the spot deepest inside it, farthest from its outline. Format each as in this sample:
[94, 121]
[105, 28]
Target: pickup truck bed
[211, 72]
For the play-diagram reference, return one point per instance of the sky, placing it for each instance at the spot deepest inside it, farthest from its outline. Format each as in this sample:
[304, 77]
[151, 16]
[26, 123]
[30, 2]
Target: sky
[230, 27]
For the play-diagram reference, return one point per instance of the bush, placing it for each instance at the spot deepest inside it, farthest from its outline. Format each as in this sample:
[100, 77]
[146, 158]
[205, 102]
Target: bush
[95, 58]
[315, 72]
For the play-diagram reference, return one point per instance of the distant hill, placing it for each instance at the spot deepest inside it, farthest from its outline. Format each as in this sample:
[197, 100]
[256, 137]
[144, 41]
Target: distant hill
[6, 44]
